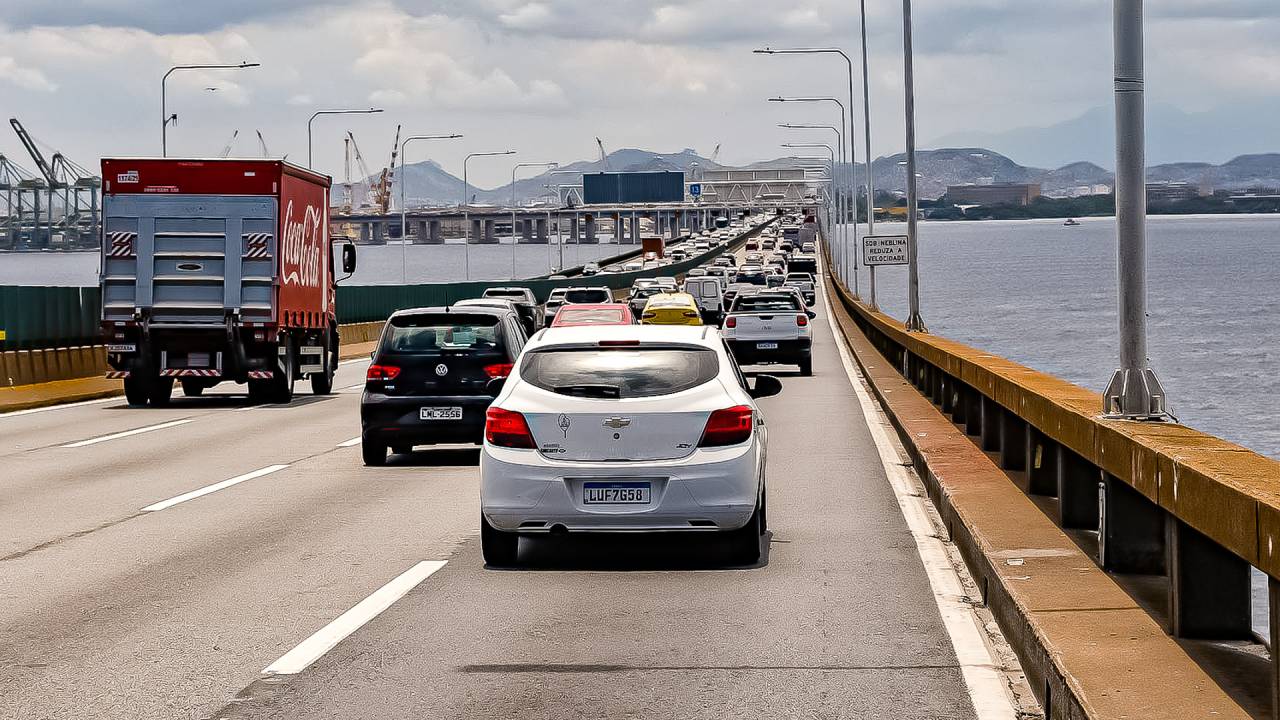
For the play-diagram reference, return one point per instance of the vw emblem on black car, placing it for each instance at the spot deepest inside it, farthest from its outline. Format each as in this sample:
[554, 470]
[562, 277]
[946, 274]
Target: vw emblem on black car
[442, 370]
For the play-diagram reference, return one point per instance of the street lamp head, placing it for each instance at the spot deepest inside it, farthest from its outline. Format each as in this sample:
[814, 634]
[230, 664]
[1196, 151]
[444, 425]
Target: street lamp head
[249, 64]
[763, 51]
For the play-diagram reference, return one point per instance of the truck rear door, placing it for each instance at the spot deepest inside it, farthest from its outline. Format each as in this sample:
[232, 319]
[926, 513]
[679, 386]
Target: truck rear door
[767, 317]
[189, 259]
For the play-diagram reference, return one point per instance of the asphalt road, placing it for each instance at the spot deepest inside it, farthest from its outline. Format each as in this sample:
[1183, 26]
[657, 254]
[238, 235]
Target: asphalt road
[109, 610]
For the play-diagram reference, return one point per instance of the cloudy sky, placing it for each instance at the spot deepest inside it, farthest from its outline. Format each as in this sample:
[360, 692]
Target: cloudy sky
[545, 77]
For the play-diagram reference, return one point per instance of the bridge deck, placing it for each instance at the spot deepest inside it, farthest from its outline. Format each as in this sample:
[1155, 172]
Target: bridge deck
[111, 611]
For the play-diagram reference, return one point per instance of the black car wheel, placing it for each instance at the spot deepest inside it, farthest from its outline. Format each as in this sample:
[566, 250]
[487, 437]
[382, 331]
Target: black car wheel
[500, 549]
[374, 454]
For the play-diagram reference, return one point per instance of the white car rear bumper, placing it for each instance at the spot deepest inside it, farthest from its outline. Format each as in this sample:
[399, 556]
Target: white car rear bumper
[712, 489]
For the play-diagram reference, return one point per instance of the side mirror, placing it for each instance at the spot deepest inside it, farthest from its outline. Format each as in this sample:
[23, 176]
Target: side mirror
[766, 386]
[493, 388]
[348, 258]
[811, 314]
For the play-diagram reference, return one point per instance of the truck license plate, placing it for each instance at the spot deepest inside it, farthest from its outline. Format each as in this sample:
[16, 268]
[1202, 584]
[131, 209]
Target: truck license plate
[766, 346]
[440, 413]
[122, 348]
[616, 493]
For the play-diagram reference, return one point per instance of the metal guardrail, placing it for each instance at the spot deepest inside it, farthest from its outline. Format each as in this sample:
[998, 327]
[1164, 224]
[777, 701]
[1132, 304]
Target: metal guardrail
[41, 317]
[1164, 499]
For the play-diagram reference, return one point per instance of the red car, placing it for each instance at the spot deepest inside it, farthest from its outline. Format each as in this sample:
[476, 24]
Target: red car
[579, 315]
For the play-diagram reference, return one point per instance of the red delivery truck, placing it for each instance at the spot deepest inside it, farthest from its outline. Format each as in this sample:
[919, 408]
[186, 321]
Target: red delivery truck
[218, 270]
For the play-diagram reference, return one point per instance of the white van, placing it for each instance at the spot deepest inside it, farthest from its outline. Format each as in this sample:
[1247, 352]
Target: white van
[708, 293]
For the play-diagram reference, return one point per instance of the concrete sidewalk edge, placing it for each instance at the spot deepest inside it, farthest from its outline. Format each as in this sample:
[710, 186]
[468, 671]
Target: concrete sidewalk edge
[1129, 667]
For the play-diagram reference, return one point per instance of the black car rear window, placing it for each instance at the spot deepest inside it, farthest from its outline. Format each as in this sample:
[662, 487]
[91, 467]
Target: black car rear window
[424, 334]
[765, 303]
[619, 373]
[588, 297]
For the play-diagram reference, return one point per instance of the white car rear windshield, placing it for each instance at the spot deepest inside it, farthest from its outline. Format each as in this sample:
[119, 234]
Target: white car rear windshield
[619, 373]
[765, 303]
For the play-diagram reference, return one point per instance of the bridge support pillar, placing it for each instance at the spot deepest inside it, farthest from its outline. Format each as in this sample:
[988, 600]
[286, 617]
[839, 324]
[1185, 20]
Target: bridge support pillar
[1013, 441]
[490, 232]
[1077, 491]
[1209, 587]
[526, 229]
[543, 231]
[990, 424]
[1132, 537]
[434, 236]
[635, 229]
[573, 229]
[589, 230]
[366, 234]
[617, 228]
[477, 227]
[673, 225]
[378, 234]
[1041, 463]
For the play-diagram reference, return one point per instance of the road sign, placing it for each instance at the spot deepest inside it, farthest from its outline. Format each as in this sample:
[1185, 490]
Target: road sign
[695, 189]
[884, 250]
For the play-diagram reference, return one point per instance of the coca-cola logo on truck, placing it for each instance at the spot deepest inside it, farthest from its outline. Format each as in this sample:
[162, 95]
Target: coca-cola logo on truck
[303, 244]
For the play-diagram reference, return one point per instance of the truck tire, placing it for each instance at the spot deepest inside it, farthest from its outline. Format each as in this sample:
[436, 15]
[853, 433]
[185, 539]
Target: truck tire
[322, 382]
[282, 378]
[192, 388]
[500, 549]
[136, 391]
[160, 392]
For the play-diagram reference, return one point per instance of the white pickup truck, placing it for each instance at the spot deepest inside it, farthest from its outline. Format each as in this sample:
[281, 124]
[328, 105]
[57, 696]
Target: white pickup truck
[803, 282]
[770, 327]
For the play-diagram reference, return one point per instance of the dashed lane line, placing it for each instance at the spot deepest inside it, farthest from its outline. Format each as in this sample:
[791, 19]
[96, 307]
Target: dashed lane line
[128, 433]
[350, 443]
[163, 504]
[327, 637]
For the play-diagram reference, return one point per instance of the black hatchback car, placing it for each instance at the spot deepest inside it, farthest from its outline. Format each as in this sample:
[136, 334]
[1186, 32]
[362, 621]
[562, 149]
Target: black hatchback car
[428, 383]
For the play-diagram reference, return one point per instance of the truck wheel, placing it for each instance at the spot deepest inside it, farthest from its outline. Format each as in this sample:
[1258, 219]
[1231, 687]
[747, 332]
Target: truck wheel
[322, 382]
[136, 391]
[500, 549]
[161, 390]
[374, 454]
[192, 388]
[282, 380]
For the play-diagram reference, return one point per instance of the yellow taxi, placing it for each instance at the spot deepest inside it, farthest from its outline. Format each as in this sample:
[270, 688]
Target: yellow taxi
[671, 309]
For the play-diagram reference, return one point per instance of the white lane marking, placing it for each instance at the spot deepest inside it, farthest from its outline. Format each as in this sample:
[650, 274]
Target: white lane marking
[983, 674]
[213, 488]
[128, 433]
[357, 386]
[64, 406]
[350, 443]
[324, 640]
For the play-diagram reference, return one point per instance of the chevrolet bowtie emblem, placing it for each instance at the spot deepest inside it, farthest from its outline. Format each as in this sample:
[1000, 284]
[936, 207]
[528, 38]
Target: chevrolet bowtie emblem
[617, 423]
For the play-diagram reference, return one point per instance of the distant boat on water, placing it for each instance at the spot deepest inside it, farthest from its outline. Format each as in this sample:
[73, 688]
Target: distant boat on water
[1072, 222]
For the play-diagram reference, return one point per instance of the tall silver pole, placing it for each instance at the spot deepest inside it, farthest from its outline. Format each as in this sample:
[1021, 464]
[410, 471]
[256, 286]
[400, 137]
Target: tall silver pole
[866, 122]
[466, 220]
[1134, 392]
[914, 321]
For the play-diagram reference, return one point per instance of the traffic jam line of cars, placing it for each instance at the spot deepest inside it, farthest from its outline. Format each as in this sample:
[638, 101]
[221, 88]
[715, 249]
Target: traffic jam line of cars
[603, 416]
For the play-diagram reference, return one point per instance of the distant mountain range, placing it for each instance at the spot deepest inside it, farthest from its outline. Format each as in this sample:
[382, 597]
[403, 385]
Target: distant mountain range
[429, 184]
[1173, 136]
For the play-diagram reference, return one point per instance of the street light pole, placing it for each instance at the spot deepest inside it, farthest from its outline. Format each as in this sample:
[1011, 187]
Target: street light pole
[514, 240]
[914, 321]
[831, 151]
[866, 126]
[466, 206]
[1134, 392]
[840, 138]
[577, 251]
[852, 131]
[164, 107]
[404, 206]
[842, 244]
[318, 113]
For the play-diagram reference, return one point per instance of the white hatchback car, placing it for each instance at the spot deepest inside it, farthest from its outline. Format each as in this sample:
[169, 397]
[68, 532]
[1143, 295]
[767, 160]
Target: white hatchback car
[625, 429]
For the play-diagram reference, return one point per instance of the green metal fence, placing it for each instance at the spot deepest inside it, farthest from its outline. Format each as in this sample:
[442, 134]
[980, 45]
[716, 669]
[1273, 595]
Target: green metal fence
[50, 317]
